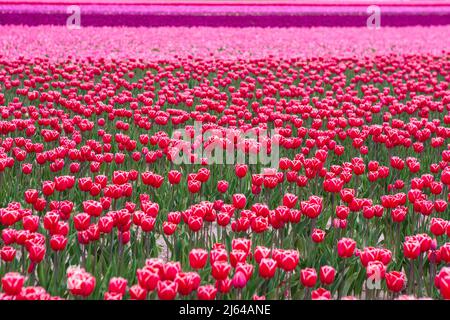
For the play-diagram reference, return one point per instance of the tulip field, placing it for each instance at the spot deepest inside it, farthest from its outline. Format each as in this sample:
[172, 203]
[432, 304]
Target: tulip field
[224, 162]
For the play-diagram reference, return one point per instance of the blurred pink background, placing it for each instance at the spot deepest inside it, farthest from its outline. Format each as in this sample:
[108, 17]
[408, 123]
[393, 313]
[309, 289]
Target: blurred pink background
[256, 2]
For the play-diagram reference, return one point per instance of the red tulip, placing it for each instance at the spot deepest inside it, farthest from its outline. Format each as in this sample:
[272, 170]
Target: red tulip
[36, 252]
[237, 256]
[58, 242]
[438, 226]
[31, 196]
[239, 201]
[120, 177]
[137, 293]
[220, 270]
[27, 168]
[267, 268]
[342, 212]
[442, 282]
[7, 253]
[261, 253]
[12, 283]
[113, 296]
[105, 224]
[333, 185]
[81, 221]
[174, 177]
[289, 260]
[222, 186]
[289, 200]
[167, 290]
[246, 268]
[80, 283]
[195, 223]
[170, 270]
[399, 214]
[148, 278]
[318, 235]
[169, 228]
[395, 281]
[308, 277]
[241, 170]
[30, 223]
[198, 258]
[223, 286]
[327, 275]
[311, 210]
[194, 186]
[320, 294]
[93, 208]
[411, 249]
[117, 285]
[203, 174]
[206, 292]
[346, 247]
[445, 252]
[241, 244]
[219, 254]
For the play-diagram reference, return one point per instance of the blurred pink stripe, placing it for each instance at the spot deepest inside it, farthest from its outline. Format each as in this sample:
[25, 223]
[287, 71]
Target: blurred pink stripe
[58, 42]
[167, 9]
[242, 2]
